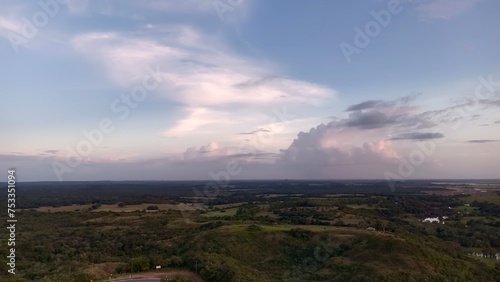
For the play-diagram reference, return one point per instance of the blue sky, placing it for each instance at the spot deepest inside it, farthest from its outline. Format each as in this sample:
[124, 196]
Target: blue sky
[245, 89]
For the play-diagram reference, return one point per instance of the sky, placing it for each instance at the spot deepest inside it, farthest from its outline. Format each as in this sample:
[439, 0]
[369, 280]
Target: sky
[249, 89]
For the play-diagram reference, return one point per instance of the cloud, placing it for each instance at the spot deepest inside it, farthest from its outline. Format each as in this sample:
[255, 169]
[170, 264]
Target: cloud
[209, 151]
[444, 9]
[51, 151]
[213, 152]
[490, 102]
[464, 109]
[366, 105]
[197, 120]
[418, 136]
[369, 153]
[360, 143]
[256, 82]
[482, 141]
[497, 122]
[200, 74]
[381, 104]
[321, 151]
[374, 114]
[7, 26]
[255, 131]
[402, 116]
[198, 69]
[372, 119]
[306, 159]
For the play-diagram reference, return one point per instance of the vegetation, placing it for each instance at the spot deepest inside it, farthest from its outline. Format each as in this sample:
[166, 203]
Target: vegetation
[255, 231]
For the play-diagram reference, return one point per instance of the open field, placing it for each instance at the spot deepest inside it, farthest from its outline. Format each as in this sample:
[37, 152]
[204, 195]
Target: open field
[484, 197]
[222, 212]
[70, 208]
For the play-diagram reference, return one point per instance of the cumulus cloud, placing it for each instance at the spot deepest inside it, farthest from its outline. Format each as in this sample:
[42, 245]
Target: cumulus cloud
[308, 159]
[361, 141]
[209, 151]
[369, 153]
[324, 148]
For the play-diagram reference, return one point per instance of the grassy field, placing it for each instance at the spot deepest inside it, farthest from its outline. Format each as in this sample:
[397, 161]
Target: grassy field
[484, 197]
[466, 209]
[220, 213]
[226, 206]
[71, 208]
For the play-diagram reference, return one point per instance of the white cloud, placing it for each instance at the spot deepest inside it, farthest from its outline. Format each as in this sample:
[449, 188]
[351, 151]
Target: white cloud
[201, 121]
[8, 25]
[211, 82]
[209, 151]
[334, 144]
